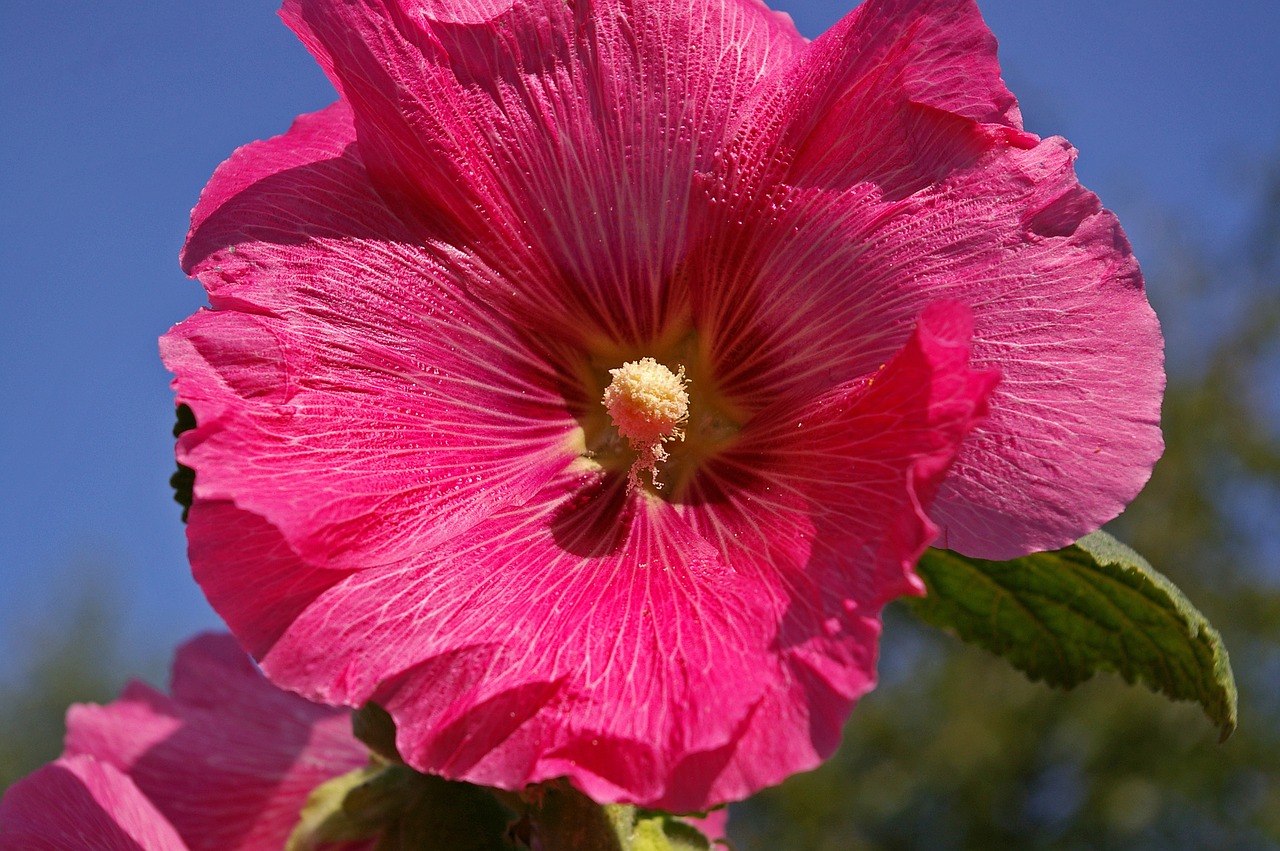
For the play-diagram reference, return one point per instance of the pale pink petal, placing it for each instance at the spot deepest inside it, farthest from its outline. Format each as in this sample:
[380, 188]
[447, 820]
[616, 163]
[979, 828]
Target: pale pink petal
[229, 759]
[562, 138]
[78, 803]
[344, 359]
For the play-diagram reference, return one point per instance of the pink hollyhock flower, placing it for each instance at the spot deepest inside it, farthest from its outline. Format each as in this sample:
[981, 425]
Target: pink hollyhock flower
[77, 803]
[714, 826]
[582, 383]
[226, 763]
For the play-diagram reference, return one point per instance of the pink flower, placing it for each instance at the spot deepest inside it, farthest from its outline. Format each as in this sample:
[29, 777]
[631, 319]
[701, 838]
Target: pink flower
[77, 803]
[582, 383]
[225, 764]
[714, 826]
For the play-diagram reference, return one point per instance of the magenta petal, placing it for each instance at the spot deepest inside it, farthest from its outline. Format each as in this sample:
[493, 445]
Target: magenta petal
[561, 139]
[714, 825]
[869, 100]
[505, 659]
[824, 507]
[892, 159]
[363, 403]
[1059, 308]
[1075, 425]
[79, 803]
[595, 590]
[251, 576]
[866, 460]
[905, 90]
[229, 760]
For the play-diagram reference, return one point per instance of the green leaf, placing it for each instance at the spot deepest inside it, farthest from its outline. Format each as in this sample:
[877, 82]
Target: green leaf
[1096, 605]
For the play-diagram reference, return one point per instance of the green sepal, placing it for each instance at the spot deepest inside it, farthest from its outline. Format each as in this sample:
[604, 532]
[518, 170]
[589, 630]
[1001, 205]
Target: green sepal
[183, 481]
[374, 726]
[662, 832]
[1095, 605]
[435, 814]
[405, 811]
[564, 819]
[323, 818]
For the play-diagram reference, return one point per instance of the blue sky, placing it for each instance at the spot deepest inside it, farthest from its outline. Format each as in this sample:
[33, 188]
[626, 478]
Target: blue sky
[115, 114]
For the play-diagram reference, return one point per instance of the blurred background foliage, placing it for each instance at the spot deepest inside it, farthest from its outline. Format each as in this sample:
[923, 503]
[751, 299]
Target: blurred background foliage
[955, 750]
[68, 657]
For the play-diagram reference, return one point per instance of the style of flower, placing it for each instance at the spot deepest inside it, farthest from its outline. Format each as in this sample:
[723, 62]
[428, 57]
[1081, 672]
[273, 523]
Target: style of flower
[225, 764]
[419, 482]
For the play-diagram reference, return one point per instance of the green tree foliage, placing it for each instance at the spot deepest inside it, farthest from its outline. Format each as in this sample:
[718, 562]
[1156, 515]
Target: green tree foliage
[957, 750]
[70, 657]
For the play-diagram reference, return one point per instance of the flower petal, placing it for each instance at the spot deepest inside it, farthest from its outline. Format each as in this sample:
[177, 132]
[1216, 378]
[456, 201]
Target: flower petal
[562, 138]
[714, 825]
[861, 103]
[229, 759]
[850, 473]
[394, 634]
[1059, 308]
[825, 505]
[344, 384]
[249, 573]
[605, 599]
[77, 803]
[410, 286]
[888, 170]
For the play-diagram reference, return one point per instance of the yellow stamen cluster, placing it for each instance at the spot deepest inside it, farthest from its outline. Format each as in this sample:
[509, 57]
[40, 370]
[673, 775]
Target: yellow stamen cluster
[647, 403]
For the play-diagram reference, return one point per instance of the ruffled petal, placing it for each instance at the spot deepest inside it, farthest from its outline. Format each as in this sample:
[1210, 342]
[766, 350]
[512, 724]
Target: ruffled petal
[862, 104]
[411, 287]
[78, 803]
[562, 138]
[825, 505]
[344, 385]
[889, 170]
[1059, 308]
[844, 480]
[229, 760]
[506, 660]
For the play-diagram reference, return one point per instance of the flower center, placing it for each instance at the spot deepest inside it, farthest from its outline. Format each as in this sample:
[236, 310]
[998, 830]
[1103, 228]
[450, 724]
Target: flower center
[647, 403]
